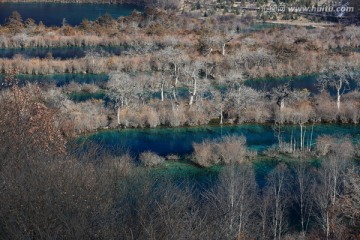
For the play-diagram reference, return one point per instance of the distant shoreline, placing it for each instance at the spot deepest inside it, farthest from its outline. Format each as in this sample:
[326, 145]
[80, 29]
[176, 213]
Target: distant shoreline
[140, 2]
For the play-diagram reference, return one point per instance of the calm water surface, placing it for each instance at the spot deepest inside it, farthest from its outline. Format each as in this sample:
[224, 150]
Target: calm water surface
[62, 79]
[164, 141]
[52, 14]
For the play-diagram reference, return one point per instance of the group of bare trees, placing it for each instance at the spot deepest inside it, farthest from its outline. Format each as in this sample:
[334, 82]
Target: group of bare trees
[176, 90]
[49, 190]
[233, 99]
[176, 93]
[297, 200]
[180, 70]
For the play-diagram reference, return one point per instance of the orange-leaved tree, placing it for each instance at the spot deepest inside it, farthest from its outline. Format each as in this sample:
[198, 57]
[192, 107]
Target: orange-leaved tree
[28, 127]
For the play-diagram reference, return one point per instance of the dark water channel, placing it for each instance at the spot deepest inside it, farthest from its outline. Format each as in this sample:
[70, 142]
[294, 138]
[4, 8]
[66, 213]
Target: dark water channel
[53, 14]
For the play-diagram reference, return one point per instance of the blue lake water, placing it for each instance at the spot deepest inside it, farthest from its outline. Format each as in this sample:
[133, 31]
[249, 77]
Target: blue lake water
[297, 82]
[62, 79]
[308, 82]
[259, 26]
[164, 141]
[52, 14]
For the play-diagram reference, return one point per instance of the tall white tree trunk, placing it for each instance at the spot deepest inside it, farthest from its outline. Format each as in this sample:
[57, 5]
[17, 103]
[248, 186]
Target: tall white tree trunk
[162, 91]
[193, 94]
[118, 115]
[333, 200]
[338, 99]
[191, 100]
[282, 104]
[221, 114]
[241, 211]
[327, 224]
[195, 86]
[223, 49]
[174, 95]
[302, 137]
[176, 75]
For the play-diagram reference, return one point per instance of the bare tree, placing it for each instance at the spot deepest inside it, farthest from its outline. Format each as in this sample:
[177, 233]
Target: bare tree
[121, 87]
[176, 59]
[338, 76]
[302, 192]
[221, 41]
[277, 190]
[162, 69]
[242, 98]
[302, 112]
[330, 183]
[264, 213]
[280, 94]
[235, 201]
[193, 73]
[220, 98]
[348, 205]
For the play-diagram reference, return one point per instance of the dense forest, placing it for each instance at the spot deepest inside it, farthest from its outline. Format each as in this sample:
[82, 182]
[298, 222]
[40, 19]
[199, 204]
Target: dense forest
[178, 69]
